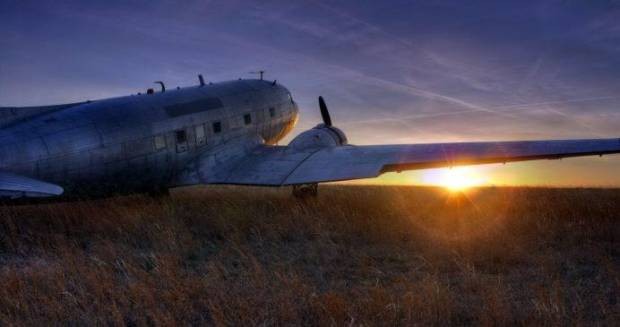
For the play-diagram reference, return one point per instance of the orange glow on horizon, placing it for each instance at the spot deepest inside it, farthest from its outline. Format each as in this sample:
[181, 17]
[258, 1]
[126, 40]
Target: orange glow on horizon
[455, 179]
[576, 172]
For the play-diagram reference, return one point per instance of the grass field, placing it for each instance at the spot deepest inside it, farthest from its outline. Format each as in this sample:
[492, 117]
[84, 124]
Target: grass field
[356, 255]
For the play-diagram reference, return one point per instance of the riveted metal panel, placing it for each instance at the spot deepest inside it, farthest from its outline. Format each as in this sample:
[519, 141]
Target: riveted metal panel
[73, 140]
[22, 152]
[134, 148]
[107, 153]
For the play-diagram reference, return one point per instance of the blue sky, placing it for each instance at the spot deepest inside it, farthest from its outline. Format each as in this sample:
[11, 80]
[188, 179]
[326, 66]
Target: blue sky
[391, 71]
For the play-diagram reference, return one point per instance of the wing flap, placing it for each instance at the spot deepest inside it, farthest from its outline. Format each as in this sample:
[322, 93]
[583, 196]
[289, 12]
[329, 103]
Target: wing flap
[268, 166]
[16, 186]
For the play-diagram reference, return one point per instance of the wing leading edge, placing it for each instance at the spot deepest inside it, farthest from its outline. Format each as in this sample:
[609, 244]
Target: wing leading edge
[277, 166]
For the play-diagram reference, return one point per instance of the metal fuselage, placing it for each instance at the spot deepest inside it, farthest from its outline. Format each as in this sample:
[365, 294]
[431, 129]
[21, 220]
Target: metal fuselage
[140, 143]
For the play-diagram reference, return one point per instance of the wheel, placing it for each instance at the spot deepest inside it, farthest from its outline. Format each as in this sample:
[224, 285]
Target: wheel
[302, 191]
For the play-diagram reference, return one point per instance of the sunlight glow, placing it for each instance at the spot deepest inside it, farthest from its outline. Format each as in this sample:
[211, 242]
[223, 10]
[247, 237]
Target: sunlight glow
[456, 179]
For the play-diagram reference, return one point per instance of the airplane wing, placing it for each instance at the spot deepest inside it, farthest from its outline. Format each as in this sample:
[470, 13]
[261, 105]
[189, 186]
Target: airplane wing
[284, 165]
[16, 186]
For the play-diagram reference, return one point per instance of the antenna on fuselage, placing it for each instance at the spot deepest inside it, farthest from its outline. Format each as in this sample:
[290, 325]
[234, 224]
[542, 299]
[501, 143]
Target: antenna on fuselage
[202, 80]
[260, 73]
[163, 87]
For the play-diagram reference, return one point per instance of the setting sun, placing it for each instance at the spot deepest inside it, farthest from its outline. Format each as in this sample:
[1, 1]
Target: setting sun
[456, 179]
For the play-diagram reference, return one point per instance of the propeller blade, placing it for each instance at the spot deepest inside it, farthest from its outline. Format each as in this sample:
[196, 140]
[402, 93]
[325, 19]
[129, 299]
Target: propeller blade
[324, 112]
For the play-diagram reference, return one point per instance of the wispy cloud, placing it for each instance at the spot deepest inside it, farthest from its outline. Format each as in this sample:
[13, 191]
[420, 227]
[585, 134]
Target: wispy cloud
[405, 63]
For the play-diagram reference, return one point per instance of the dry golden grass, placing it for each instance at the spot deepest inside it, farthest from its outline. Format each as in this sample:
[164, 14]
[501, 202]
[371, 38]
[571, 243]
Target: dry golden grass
[357, 255]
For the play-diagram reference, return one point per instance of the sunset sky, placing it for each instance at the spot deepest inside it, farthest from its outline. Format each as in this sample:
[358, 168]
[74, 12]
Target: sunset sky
[391, 71]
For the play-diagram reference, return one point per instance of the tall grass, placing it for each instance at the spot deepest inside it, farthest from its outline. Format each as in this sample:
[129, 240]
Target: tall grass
[356, 255]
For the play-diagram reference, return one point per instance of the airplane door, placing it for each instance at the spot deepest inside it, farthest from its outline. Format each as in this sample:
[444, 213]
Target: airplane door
[201, 137]
[180, 137]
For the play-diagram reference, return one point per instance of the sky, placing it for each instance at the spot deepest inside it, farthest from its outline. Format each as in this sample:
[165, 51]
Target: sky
[390, 71]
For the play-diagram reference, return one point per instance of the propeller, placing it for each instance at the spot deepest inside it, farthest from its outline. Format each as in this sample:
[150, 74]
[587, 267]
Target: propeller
[327, 120]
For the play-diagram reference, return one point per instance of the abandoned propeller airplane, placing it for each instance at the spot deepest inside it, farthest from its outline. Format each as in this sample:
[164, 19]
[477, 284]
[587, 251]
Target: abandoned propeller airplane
[216, 133]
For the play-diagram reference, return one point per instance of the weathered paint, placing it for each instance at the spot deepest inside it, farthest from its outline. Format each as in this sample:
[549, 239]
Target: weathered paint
[110, 145]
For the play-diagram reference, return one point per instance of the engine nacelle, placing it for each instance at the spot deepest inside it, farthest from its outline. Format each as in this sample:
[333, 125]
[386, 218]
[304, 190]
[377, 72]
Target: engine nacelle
[319, 136]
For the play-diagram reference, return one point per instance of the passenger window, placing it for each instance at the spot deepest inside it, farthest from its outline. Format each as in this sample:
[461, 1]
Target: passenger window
[217, 127]
[181, 136]
[200, 135]
[272, 112]
[247, 119]
[160, 142]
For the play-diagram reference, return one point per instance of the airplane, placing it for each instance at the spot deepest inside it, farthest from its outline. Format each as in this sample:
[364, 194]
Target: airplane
[215, 133]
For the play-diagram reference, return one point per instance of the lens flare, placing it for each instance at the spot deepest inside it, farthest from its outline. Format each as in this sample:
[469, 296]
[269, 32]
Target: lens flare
[455, 179]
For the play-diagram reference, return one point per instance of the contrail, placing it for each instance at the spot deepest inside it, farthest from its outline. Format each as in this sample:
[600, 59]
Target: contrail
[557, 102]
[458, 112]
[500, 110]
[408, 117]
[405, 87]
[366, 24]
[472, 107]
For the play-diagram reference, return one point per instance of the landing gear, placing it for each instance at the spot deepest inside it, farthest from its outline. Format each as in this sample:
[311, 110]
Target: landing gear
[303, 191]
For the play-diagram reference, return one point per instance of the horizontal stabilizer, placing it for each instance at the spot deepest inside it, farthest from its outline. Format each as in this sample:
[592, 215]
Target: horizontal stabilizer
[16, 186]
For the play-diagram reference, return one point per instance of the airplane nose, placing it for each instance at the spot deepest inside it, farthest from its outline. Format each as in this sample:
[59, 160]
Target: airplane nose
[294, 113]
[295, 109]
